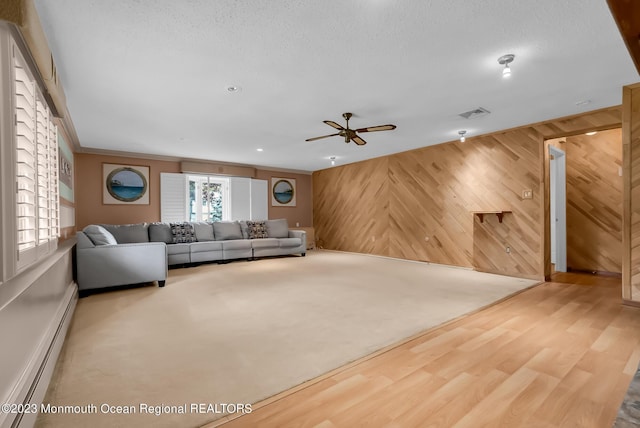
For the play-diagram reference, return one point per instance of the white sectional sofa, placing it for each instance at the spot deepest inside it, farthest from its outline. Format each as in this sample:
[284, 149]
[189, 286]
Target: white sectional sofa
[112, 255]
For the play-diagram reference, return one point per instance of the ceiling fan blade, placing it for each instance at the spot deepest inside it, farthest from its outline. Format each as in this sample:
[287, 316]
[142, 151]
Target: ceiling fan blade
[359, 141]
[377, 128]
[333, 124]
[324, 136]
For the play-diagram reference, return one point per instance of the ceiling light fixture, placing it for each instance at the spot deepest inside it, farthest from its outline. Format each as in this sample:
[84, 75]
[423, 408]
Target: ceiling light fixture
[234, 88]
[260, 150]
[591, 133]
[506, 60]
[462, 136]
[333, 160]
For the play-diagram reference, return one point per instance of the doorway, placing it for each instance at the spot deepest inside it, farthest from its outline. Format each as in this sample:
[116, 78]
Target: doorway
[558, 207]
[583, 203]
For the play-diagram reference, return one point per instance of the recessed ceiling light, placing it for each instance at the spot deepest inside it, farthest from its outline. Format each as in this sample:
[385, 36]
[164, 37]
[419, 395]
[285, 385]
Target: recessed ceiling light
[260, 150]
[234, 88]
[333, 160]
[591, 133]
[462, 136]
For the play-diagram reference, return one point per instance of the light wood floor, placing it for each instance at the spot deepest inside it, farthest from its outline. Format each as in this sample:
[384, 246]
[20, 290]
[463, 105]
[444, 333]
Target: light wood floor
[561, 354]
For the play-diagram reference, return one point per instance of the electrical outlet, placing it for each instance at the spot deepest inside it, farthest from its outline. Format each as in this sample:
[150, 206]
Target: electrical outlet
[297, 224]
[508, 250]
[527, 194]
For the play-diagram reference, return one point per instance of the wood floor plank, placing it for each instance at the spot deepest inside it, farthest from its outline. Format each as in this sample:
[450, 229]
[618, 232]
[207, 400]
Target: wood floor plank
[528, 401]
[486, 413]
[561, 354]
[453, 411]
[560, 401]
[409, 393]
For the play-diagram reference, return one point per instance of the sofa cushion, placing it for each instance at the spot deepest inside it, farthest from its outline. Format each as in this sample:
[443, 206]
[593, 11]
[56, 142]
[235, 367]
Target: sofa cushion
[265, 243]
[226, 230]
[278, 228]
[178, 249]
[204, 231]
[206, 246]
[182, 233]
[160, 232]
[290, 242]
[99, 235]
[257, 229]
[129, 233]
[237, 244]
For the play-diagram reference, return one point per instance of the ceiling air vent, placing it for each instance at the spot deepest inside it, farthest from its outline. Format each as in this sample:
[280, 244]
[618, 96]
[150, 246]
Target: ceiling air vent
[475, 113]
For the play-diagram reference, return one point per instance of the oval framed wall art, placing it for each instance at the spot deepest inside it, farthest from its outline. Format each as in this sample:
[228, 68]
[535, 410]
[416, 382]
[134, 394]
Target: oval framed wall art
[125, 184]
[283, 192]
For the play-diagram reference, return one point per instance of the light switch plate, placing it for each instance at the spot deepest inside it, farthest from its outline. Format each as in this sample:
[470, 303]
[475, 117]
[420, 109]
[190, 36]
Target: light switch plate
[527, 194]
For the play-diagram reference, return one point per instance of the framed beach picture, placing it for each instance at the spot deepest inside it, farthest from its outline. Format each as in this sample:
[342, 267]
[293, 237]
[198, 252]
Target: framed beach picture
[283, 192]
[125, 184]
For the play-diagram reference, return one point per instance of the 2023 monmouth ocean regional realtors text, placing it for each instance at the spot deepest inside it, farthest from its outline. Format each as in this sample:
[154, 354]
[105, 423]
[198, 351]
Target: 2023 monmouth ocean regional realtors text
[141, 408]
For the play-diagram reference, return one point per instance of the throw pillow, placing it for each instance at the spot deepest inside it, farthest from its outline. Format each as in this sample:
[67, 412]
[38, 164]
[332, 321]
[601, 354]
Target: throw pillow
[226, 230]
[129, 233]
[182, 233]
[203, 230]
[278, 228]
[257, 229]
[160, 232]
[99, 235]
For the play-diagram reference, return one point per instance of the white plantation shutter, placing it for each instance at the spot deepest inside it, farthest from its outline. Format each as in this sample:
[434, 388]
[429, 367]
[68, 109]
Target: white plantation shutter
[173, 197]
[54, 185]
[259, 199]
[240, 191]
[36, 169]
[26, 158]
[42, 138]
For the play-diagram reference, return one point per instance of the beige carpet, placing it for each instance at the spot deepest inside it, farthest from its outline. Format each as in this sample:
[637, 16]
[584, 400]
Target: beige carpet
[241, 332]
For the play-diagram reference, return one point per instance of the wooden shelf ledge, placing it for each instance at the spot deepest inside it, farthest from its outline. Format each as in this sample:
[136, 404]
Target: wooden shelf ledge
[499, 213]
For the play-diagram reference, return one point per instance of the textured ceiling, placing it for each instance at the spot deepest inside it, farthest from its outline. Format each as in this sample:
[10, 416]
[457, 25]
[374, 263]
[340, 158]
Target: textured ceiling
[151, 76]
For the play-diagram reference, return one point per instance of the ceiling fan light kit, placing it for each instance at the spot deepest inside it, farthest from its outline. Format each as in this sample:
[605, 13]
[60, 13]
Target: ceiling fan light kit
[351, 134]
[506, 60]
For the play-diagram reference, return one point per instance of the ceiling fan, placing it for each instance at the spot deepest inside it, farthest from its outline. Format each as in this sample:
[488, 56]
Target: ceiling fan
[352, 134]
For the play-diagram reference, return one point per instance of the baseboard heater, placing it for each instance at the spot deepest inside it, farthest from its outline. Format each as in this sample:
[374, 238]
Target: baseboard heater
[44, 371]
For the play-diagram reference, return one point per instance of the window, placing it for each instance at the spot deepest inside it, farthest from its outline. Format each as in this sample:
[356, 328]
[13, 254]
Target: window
[208, 198]
[36, 143]
[191, 197]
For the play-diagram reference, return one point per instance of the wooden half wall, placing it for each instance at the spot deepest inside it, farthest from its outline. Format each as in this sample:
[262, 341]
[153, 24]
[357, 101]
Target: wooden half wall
[418, 205]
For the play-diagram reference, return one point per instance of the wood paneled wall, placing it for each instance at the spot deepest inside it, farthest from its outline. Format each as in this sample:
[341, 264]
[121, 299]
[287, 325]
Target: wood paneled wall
[417, 205]
[594, 201]
[631, 192]
[359, 196]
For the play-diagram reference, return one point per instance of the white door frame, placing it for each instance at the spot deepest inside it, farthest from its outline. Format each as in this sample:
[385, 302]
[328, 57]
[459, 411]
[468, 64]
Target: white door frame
[558, 211]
